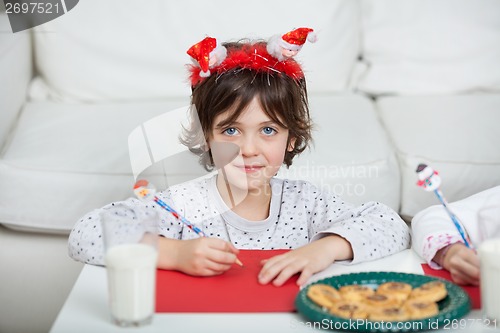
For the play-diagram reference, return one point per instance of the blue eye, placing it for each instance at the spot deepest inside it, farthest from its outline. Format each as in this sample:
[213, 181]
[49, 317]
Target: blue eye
[230, 131]
[268, 130]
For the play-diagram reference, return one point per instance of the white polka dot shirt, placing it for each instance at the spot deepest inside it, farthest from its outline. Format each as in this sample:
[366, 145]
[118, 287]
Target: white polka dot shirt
[299, 213]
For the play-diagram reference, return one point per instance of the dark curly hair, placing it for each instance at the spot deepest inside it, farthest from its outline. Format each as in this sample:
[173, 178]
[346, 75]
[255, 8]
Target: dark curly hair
[282, 98]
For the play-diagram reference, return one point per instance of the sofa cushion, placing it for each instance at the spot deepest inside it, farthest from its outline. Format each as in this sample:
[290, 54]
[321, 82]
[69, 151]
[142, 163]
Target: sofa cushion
[108, 50]
[429, 47]
[67, 159]
[15, 74]
[456, 135]
[351, 154]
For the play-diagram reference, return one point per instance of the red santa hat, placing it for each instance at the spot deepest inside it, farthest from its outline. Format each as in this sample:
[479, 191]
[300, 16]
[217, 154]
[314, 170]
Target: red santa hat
[295, 39]
[208, 54]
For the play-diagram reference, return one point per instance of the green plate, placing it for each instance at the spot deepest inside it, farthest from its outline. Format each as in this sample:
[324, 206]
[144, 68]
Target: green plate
[456, 305]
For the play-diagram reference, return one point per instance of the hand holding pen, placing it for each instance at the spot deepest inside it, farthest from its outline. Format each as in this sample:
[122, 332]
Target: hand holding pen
[144, 191]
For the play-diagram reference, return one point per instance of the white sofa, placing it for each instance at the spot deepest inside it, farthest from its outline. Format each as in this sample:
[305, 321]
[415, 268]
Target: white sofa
[392, 84]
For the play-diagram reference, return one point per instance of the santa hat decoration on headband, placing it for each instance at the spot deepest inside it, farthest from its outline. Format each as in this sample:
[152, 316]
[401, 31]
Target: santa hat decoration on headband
[273, 57]
[208, 54]
[289, 44]
[249, 56]
[296, 38]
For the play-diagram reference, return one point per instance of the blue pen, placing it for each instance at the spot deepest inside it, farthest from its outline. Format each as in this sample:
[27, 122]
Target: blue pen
[454, 218]
[430, 181]
[179, 217]
[144, 191]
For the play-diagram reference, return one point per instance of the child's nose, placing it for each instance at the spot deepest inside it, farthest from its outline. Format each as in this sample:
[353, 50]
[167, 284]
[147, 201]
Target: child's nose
[249, 147]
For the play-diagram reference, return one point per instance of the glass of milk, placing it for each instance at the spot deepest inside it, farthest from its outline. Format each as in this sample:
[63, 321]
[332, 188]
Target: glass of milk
[130, 242]
[489, 257]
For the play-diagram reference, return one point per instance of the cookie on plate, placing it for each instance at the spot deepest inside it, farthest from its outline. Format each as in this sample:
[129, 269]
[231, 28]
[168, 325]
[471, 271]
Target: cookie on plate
[433, 291]
[398, 290]
[420, 309]
[323, 295]
[349, 309]
[355, 292]
[377, 302]
[390, 314]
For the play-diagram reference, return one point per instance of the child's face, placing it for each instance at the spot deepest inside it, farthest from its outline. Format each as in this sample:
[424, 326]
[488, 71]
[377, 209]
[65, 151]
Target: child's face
[262, 144]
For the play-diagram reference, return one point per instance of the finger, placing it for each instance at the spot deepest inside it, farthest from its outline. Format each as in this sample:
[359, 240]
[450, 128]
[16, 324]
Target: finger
[464, 273]
[217, 268]
[276, 260]
[463, 279]
[210, 272]
[271, 268]
[222, 245]
[209, 266]
[473, 260]
[471, 271]
[457, 279]
[304, 277]
[470, 277]
[204, 267]
[465, 267]
[285, 274]
[221, 256]
[275, 267]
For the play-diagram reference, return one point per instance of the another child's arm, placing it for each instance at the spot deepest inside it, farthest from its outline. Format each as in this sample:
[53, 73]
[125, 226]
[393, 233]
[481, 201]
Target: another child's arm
[433, 231]
[437, 241]
[307, 260]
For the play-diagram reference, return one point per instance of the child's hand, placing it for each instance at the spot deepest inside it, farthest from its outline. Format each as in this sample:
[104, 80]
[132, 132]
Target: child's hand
[308, 260]
[463, 264]
[202, 256]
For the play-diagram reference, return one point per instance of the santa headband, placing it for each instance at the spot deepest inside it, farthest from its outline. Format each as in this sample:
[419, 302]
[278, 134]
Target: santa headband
[275, 56]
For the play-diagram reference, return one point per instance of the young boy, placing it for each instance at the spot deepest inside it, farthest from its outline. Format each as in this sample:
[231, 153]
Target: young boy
[251, 115]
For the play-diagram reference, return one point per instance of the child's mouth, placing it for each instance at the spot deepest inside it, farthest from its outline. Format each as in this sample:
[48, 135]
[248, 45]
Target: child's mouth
[250, 168]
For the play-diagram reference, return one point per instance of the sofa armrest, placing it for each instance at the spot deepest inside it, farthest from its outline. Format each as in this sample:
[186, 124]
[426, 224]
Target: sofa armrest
[16, 71]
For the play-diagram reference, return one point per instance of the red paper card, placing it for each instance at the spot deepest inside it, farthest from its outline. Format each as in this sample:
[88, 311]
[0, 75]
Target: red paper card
[237, 290]
[473, 291]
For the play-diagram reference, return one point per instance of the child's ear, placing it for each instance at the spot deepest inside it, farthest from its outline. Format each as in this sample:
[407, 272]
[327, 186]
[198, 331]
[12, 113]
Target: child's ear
[206, 145]
[291, 144]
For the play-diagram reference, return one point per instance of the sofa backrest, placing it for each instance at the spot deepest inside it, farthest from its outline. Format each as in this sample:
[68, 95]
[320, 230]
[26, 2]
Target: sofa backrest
[15, 74]
[376, 47]
[139, 51]
[428, 47]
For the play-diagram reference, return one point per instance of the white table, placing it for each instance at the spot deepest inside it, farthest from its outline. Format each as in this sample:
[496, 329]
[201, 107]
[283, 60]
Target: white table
[86, 309]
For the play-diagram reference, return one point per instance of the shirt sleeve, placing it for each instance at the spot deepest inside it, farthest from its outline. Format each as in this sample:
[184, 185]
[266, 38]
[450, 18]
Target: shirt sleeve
[373, 229]
[86, 244]
[432, 228]
[434, 243]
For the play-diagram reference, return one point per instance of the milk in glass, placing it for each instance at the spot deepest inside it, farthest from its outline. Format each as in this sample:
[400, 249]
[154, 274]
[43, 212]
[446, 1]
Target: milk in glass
[131, 270]
[489, 255]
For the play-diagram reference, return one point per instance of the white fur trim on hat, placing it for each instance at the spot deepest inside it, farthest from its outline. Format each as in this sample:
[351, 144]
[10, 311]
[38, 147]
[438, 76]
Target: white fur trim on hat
[220, 52]
[204, 74]
[274, 47]
[312, 37]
